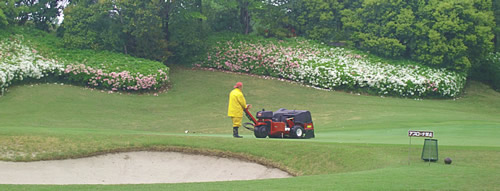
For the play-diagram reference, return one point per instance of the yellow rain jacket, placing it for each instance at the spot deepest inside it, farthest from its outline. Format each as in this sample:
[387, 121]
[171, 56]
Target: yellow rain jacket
[236, 103]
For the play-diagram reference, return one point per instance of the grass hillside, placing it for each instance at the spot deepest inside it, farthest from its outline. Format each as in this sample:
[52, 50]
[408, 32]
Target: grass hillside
[361, 141]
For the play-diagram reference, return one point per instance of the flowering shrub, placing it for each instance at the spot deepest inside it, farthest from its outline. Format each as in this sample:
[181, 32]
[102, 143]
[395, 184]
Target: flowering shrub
[18, 62]
[332, 68]
[113, 80]
[491, 70]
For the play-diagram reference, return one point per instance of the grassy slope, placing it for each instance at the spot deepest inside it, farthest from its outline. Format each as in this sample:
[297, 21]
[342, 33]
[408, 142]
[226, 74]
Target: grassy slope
[361, 140]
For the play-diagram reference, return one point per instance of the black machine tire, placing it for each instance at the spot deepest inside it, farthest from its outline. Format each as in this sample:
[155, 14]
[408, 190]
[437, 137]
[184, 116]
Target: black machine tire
[260, 132]
[297, 132]
[309, 134]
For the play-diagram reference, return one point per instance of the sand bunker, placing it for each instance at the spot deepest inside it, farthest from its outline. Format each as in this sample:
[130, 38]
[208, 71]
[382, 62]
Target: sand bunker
[135, 168]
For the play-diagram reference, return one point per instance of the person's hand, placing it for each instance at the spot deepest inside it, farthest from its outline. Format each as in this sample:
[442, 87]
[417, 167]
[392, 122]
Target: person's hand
[249, 106]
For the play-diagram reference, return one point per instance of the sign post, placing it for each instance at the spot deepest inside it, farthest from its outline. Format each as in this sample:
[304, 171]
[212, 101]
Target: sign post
[411, 133]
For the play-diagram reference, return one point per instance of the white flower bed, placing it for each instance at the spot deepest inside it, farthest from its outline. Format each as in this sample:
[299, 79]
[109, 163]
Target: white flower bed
[334, 68]
[18, 62]
[340, 69]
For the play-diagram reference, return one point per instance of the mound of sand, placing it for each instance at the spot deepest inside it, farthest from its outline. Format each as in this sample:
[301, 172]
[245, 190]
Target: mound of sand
[135, 168]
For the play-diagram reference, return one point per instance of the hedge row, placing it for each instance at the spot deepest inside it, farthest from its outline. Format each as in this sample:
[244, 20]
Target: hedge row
[333, 68]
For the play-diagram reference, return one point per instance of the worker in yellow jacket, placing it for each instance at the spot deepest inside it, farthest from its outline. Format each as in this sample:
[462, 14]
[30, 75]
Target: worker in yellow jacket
[237, 104]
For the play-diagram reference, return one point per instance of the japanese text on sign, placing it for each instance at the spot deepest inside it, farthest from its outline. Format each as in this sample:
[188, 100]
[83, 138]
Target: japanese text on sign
[420, 134]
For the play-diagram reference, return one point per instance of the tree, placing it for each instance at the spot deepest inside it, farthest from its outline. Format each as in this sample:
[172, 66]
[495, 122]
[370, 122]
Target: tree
[167, 7]
[3, 19]
[446, 34]
[43, 13]
[132, 26]
[222, 15]
[496, 9]
[237, 15]
[272, 19]
[323, 19]
[9, 12]
[243, 6]
[188, 31]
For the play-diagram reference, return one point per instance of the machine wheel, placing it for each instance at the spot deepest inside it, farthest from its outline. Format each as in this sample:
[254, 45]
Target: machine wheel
[297, 132]
[309, 134]
[260, 132]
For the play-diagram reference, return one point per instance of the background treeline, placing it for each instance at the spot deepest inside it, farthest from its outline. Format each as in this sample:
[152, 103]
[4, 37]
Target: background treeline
[460, 35]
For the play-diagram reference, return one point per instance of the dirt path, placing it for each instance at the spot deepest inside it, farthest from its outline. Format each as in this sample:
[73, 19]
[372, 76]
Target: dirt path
[135, 168]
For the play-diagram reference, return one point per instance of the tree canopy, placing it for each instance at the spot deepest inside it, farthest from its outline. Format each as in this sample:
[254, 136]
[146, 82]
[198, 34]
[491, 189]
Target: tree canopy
[453, 34]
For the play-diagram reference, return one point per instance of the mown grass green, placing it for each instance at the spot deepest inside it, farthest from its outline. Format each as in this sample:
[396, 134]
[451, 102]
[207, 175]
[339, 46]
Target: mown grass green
[360, 143]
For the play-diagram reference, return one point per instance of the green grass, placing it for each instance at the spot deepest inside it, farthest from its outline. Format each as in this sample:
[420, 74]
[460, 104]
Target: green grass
[361, 141]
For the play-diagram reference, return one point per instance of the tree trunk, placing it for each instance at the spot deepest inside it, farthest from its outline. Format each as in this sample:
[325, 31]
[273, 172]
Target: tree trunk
[166, 17]
[247, 22]
[125, 51]
[244, 15]
[496, 12]
[200, 9]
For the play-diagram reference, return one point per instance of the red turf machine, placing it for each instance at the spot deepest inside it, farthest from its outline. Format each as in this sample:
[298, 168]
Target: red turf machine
[281, 124]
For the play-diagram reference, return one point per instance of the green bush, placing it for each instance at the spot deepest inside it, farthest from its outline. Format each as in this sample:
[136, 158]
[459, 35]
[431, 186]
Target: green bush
[488, 71]
[449, 34]
[388, 47]
[136, 29]
[3, 19]
[320, 19]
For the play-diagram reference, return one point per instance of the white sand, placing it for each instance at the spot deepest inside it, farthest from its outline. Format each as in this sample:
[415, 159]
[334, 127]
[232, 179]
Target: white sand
[135, 168]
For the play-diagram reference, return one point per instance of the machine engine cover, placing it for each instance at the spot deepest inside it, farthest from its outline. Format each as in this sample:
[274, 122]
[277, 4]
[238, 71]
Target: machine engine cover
[264, 114]
[300, 116]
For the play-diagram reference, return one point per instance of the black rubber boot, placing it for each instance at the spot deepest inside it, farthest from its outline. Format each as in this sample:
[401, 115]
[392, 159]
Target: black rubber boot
[235, 133]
